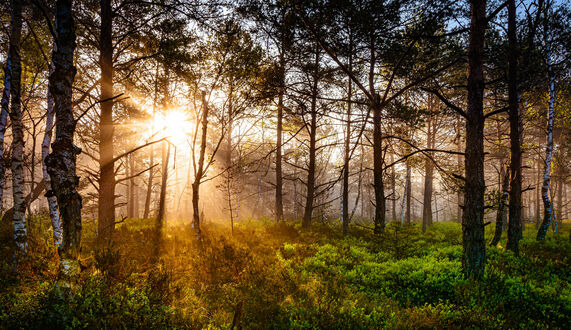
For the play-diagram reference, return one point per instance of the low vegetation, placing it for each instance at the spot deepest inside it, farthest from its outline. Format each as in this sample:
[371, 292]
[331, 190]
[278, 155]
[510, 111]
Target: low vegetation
[271, 275]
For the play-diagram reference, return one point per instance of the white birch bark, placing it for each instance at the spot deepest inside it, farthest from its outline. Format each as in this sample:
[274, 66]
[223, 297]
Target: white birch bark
[547, 204]
[17, 128]
[52, 200]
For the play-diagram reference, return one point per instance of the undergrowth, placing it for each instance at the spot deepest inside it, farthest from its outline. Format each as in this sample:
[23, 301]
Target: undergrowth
[269, 275]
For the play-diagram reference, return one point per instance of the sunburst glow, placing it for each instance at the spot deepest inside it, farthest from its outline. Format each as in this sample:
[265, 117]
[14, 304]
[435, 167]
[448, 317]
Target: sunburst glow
[175, 125]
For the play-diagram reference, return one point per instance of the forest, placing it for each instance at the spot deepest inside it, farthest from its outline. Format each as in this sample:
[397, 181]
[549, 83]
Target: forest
[277, 164]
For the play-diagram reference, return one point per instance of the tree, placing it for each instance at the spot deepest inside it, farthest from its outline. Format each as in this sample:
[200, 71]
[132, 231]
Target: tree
[515, 205]
[61, 162]
[502, 201]
[106, 220]
[52, 201]
[545, 188]
[474, 249]
[15, 69]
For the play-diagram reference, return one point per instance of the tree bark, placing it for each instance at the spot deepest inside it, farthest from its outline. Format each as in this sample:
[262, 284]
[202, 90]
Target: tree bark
[52, 201]
[404, 198]
[345, 198]
[200, 170]
[279, 178]
[131, 185]
[408, 191]
[166, 149]
[502, 201]
[152, 150]
[106, 224]
[515, 206]
[380, 203]
[428, 175]
[474, 246]
[547, 204]
[17, 127]
[393, 187]
[460, 164]
[308, 213]
[538, 196]
[5, 103]
[61, 162]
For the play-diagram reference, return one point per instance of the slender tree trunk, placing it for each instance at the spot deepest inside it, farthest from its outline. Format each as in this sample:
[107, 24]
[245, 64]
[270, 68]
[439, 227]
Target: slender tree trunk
[380, 203]
[3, 123]
[17, 127]
[547, 205]
[308, 213]
[502, 201]
[279, 178]
[106, 223]
[359, 188]
[460, 163]
[166, 150]
[52, 201]
[559, 210]
[345, 198]
[32, 165]
[408, 191]
[152, 150]
[131, 185]
[474, 246]
[229, 178]
[199, 171]
[428, 176]
[514, 225]
[61, 162]
[538, 196]
[394, 189]
[404, 199]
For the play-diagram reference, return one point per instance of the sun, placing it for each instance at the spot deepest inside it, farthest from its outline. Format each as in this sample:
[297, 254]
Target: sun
[174, 125]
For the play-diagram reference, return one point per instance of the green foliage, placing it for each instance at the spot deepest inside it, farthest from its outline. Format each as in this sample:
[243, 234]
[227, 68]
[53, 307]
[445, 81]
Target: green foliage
[276, 276]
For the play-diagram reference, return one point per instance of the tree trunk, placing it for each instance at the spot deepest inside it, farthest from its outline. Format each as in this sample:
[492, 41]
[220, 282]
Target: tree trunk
[538, 196]
[380, 203]
[61, 162]
[428, 176]
[345, 198]
[279, 178]
[17, 127]
[52, 201]
[515, 206]
[166, 149]
[3, 123]
[307, 215]
[106, 224]
[459, 164]
[502, 201]
[131, 196]
[408, 191]
[404, 198]
[228, 165]
[394, 189]
[474, 246]
[152, 150]
[561, 179]
[547, 204]
[199, 171]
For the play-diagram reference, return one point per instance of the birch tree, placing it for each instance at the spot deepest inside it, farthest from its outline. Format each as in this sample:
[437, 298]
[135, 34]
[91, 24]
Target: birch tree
[17, 126]
[61, 162]
[545, 187]
[52, 201]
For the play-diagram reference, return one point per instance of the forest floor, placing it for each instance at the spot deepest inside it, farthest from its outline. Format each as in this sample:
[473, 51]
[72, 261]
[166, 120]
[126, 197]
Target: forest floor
[269, 275]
